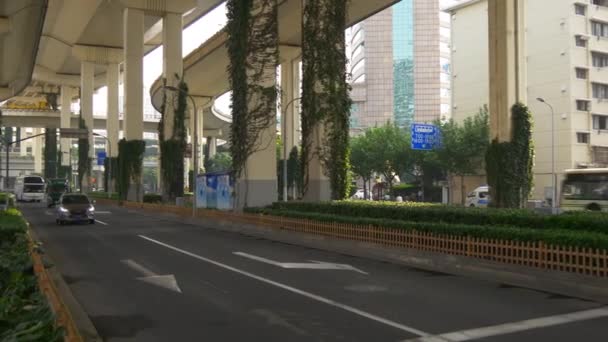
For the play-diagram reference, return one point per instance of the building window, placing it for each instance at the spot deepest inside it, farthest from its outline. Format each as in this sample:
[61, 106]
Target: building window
[580, 9]
[599, 29]
[599, 59]
[581, 73]
[582, 105]
[600, 2]
[600, 91]
[580, 41]
[600, 122]
[582, 138]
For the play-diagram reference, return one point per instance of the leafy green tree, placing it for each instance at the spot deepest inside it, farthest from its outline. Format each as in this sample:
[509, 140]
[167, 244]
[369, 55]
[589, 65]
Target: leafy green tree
[221, 162]
[361, 160]
[464, 146]
[389, 151]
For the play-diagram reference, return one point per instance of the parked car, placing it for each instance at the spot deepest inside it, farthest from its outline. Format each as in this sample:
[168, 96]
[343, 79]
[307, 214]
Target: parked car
[359, 195]
[479, 198]
[75, 208]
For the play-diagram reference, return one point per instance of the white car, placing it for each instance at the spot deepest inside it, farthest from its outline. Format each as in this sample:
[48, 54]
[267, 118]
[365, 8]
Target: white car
[479, 198]
[360, 194]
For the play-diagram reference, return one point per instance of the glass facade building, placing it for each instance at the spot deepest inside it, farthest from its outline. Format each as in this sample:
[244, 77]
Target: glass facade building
[403, 62]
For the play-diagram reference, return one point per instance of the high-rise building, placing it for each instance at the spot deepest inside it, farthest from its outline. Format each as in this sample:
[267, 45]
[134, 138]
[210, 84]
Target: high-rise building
[567, 65]
[400, 65]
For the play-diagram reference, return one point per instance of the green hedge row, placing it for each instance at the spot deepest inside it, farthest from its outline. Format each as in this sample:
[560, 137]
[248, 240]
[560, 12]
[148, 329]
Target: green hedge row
[415, 212]
[153, 198]
[24, 312]
[103, 195]
[557, 237]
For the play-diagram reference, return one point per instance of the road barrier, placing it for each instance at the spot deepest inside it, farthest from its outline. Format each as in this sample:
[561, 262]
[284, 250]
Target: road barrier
[580, 260]
[47, 286]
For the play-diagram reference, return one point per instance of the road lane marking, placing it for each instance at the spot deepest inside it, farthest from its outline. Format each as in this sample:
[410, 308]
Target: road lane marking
[102, 212]
[294, 290]
[105, 224]
[167, 281]
[313, 265]
[514, 327]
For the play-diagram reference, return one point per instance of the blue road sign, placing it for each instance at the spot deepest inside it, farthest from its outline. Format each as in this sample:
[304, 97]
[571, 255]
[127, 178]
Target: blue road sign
[425, 137]
[101, 157]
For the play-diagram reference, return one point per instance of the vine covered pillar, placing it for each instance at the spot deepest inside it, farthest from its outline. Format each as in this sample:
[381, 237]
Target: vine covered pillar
[172, 67]
[37, 151]
[65, 122]
[507, 64]
[325, 101]
[254, 57]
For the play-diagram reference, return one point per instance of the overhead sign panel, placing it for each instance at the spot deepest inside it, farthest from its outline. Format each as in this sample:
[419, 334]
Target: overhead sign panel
[425, 137]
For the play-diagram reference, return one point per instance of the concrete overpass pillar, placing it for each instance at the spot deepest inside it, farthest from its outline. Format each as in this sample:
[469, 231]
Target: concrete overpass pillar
[172, 65]
[112, 128]
[212, 141]
[290, 117]
[133, 29]
[319, 187]
[23, 147]
[37, 151]
[507, 63]
[65, 122]
[87, 76]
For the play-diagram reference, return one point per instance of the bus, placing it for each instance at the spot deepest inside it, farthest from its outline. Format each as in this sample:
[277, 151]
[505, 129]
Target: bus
[585, 189]
[30, 188]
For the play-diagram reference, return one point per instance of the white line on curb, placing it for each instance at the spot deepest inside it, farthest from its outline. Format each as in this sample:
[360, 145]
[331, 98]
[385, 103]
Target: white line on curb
[295, 290]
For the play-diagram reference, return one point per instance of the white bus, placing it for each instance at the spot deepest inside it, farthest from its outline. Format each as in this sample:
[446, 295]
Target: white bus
[585, 189]
[30, 188]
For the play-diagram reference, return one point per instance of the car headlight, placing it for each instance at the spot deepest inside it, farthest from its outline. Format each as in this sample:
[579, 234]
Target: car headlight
[91, 210]
[63, 210]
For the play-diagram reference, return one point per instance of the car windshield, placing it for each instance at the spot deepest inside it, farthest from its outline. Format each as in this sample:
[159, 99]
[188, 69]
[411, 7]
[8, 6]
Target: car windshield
[75, 200]
[33, 180]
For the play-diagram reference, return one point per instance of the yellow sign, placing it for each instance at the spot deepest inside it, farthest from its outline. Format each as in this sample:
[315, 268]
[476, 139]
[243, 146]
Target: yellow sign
[33, 105]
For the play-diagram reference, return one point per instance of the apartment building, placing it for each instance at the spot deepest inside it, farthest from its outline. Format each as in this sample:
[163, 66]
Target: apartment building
[566, 54]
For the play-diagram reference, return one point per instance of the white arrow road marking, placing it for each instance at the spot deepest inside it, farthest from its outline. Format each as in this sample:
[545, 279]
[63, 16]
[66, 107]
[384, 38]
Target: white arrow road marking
[105, 224]
[293, 290]
[313, 265]
[49, 213]
[165, 281]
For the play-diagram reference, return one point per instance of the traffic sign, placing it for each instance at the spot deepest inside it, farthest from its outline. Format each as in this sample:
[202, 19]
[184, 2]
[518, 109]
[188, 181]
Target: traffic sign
[75, 133]
[425, 137]
[101, 157]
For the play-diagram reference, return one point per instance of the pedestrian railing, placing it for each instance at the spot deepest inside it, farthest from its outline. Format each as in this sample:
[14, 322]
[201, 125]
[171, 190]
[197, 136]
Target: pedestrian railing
[581, 260]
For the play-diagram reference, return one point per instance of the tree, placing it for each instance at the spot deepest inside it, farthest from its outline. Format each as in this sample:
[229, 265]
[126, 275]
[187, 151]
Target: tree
[361, 159]
[464, 146]
[389, 151]
[221, 162]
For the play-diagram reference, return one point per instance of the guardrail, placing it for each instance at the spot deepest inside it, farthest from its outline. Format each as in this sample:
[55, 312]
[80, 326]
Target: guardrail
[47, 286]
[580, 260]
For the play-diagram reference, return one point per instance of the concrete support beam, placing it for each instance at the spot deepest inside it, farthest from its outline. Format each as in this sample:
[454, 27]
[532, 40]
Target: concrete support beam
[133, 73]
[87, 73]
[212, 141]
[65, 122]
[112, 122]
[37, 151]
[98, 54]
[23, 147]
[5, 25]
[507, 64]
[157, 7]
[173, 67]
[319, 187]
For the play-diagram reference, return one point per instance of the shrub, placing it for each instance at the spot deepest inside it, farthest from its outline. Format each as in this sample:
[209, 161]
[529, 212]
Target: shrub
[558, 237]
[153, 198]
[420, 212]
[24, 313]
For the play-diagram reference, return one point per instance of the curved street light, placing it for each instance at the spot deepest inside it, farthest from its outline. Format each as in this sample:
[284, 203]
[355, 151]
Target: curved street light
[553, 175]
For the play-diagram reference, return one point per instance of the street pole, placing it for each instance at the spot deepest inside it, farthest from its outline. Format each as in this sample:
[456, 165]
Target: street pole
[285, 151]
[553, 174]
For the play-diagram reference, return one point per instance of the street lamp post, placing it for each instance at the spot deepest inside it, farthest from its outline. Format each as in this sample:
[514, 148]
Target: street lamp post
[553, 175]
[194, 143]
[109, 148]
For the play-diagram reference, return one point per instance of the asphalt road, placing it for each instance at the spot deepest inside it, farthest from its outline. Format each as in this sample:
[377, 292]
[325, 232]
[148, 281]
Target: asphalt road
[146, 278]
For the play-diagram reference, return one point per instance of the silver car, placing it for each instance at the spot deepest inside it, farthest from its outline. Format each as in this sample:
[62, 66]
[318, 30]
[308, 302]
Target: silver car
[75, 208]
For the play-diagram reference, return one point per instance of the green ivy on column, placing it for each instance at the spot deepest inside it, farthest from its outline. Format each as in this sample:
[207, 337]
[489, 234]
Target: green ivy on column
[325, 92]
[130, 165]
[84, 162]
[50, 153]
[509, 164]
